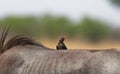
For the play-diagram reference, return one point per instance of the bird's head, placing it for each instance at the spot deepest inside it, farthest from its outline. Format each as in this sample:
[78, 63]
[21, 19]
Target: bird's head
[62, 39]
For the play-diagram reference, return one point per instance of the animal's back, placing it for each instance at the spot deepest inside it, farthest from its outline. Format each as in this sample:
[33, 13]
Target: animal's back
[29, 57]
[43, 62]
[104, 62]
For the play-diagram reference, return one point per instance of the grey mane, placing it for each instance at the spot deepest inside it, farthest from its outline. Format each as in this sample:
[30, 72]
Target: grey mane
[20, 40]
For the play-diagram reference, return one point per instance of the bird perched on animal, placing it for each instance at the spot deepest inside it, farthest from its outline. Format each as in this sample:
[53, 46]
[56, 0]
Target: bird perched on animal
[61, 45]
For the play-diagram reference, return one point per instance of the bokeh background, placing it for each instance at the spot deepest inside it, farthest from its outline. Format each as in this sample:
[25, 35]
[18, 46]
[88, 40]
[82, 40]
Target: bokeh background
[87, 24]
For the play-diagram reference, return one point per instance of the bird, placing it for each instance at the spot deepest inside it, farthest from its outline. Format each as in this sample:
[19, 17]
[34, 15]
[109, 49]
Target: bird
[61, 45]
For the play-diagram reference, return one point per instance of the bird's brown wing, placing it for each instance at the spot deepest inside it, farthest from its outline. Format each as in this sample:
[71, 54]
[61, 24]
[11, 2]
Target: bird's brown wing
[63, 46]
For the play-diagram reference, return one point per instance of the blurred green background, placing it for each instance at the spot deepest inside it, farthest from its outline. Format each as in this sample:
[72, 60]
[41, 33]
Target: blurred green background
[86, 33]
[51, 26]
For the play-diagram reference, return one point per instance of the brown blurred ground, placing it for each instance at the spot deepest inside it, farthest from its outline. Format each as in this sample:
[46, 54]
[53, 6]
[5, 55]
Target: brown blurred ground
[80, 44]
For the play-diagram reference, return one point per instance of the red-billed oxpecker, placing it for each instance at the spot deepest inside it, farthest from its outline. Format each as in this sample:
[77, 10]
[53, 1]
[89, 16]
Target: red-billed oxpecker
[61, 45]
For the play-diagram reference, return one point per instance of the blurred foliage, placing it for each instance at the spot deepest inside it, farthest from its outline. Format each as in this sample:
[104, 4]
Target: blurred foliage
[116, 2]
[93, 30]
[54, 26]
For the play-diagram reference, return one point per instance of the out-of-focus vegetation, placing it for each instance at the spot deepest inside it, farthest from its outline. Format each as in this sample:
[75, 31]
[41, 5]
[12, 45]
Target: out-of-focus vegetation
[51, 26]
[92, 29]
[116, 2]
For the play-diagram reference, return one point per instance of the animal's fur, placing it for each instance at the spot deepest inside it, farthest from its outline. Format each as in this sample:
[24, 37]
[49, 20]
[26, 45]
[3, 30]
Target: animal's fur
[25, 56]
[20, 40]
